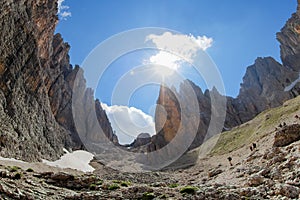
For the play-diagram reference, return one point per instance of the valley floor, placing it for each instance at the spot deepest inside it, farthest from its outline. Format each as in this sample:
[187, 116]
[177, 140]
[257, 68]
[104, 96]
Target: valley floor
[267, 172]
[263, 174]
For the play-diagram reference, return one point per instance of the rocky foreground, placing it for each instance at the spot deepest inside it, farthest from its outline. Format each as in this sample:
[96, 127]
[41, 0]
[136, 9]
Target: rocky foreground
[274, 174]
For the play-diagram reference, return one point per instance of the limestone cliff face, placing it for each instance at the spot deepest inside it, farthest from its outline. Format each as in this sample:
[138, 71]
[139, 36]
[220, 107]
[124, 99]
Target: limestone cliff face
[168, 119]
[264, 86]
[289, 38]
[36, 81]
[174, 116]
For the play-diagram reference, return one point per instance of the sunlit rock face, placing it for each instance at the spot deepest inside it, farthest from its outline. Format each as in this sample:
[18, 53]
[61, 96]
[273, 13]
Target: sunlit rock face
[36, 81]
[175, 116]
[168, 114]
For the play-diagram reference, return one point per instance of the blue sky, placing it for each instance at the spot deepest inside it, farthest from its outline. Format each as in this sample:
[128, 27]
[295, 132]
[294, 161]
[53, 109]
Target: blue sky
[241, 31]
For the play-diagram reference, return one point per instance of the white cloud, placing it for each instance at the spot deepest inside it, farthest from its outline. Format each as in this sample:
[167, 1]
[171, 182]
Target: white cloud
[183, 46]
[63, 10]
[203, 42]
[129, 122]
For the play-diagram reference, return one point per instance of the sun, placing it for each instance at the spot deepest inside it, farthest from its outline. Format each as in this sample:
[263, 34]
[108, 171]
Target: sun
[165, 63]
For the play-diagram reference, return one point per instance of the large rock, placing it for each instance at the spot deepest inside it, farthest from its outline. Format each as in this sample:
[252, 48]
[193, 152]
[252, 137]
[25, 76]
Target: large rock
[255, 180]
[288, 191]
[287, 135]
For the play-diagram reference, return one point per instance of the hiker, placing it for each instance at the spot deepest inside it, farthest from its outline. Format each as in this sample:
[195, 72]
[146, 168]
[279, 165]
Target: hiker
[230, 159]
[254, 146]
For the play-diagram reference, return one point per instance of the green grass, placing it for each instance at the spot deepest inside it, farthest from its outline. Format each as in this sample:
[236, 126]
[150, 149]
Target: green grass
[116, 181]
[173, 185]
[148, 196]
[125, 183]
[13, 168]
[93, 187]
[100, 182]
[113, 186]
[188, 190]
[259, 127]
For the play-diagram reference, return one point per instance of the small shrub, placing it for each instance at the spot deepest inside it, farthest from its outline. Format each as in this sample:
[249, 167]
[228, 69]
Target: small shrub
[99, 182]
[173, 185]
[13, 168]
[116, 181]
[157, 184]
[29, 170]
[125, 183]
[92, 177]
[93, 187]
[113, 187]
[163, 196]
[188, 190]
[148, 196]
[18, 176]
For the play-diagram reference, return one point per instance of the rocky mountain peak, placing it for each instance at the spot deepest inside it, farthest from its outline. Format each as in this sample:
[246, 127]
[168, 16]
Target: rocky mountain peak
[167, 119]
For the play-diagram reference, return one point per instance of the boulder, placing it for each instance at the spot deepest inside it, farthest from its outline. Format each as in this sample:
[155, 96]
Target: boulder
[287, 135]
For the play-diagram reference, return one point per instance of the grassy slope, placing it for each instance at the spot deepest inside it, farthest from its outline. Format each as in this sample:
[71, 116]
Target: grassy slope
[257, 128]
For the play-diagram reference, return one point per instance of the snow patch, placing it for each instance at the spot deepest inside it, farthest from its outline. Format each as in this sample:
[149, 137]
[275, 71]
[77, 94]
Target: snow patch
[76, 160]
[289, 87]
[12, 160]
